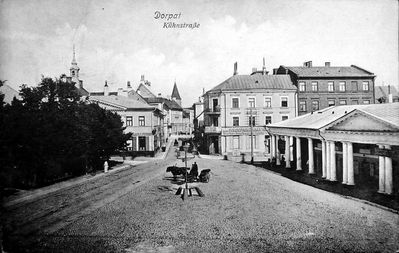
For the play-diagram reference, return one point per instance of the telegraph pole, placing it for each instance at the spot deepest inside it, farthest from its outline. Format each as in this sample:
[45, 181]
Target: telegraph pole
[252, 141]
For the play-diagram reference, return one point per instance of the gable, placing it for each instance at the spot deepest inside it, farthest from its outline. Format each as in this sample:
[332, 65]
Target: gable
[362, 123]
[144, 91]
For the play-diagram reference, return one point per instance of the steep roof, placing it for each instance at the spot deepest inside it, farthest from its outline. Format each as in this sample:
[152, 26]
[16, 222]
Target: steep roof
[144, 91]
[382, 91]
[242, 82]
[9, 93]
[319, 119]
[121, 101]
[328, 71]
[175, 92]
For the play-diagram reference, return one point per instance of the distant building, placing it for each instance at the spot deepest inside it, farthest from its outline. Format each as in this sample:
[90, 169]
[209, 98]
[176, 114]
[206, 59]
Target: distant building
[355, 145]
[238, 110]
[74, 76]
[386, 94]
[321, 87]
[9, 93]
[176, 95]
[141, 119]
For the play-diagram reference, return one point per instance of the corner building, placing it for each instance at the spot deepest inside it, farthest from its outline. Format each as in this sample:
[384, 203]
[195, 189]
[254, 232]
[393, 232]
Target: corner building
[238, 110]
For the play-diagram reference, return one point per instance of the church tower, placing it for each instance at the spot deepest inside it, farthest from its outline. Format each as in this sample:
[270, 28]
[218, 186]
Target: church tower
[74, 70]
[175, 94]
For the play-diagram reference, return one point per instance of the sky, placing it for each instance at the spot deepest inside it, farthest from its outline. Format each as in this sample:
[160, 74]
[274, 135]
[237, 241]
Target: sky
[119, 41]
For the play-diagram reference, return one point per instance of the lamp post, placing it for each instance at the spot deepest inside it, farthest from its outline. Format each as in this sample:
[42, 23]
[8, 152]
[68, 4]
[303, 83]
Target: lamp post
[252, 141]
[185, 147]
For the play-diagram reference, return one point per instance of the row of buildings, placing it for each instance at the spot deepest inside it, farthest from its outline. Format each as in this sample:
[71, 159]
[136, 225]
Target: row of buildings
[150, 118]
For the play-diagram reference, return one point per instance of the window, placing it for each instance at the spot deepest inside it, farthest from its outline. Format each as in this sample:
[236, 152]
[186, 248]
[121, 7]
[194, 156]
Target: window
[342, 86]
[354, 86]
[355, 102]
[302, 106]
[330, 86]
[331, 102]
[236, 142]
[141, 121]
[215, 104]
[285, 117]
[268, 102]
[129, 145]
[314, 86]
[366, 102]
[235, 103]
[251, 121]
[251, 102]
[365, 86]
[302, 86]
[342, 102]
[284, 102]
[315, 105]
[268, 120]
[129, 121]
[236, 121]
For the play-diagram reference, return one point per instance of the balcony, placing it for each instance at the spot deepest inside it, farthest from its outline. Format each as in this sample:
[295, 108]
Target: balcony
[213, 111]
[212, 130]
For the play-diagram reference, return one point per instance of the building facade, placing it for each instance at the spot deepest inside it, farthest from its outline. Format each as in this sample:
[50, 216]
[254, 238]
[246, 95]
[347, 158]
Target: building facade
[321, 87]
[355, 145]
[237, 111]
[144, 121]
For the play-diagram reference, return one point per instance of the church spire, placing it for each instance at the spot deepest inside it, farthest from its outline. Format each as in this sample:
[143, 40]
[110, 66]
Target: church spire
[73, 58]
[175, 94]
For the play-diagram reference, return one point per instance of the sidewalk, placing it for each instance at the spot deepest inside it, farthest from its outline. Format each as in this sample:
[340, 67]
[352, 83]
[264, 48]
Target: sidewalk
[25, 195]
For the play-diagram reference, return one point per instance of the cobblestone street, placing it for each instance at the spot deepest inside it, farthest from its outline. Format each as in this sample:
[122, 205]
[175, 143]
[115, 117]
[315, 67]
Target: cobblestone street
[245, 209]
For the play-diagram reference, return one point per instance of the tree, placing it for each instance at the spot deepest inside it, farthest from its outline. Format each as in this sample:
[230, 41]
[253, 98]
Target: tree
[52, 133]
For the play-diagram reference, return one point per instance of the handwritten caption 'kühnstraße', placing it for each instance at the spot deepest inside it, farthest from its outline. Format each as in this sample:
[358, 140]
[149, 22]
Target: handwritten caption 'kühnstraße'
[169, 19]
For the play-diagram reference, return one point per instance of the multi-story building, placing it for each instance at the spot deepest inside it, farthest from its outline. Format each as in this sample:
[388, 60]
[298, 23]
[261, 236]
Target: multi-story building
[321, 87]
[171, 107]
[141, 119]
[238, 110]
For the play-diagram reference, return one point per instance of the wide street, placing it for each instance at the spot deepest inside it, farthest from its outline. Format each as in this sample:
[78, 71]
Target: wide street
[245, 209]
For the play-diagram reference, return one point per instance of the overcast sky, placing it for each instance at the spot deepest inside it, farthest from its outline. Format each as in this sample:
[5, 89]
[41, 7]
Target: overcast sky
[121, 40]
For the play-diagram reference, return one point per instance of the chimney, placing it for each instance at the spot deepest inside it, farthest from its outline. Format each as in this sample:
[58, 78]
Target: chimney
[275, 71]
[327, 64]
[264, 67]
[106, 89]
[235, 69]
[254, 70]
[142, 79]
[80, 84]
[159, 95]
[390, 96]
[307, 64]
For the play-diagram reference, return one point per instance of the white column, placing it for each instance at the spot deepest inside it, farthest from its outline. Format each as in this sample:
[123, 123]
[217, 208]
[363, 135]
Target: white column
[298, 154]
[351, 174]
[273, 145]
[381, 172]
[291, 148]
[277, 151]
[333, 165]
[323, 159]
[287, 152]
[328, 159]
[311, 159]
[388, 172]
[344, 163]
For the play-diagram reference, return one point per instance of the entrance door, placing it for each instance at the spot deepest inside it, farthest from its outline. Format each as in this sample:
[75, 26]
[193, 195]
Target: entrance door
[142, 143]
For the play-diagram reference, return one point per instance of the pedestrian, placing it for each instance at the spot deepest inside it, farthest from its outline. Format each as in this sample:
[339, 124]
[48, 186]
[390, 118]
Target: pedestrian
[194, 170]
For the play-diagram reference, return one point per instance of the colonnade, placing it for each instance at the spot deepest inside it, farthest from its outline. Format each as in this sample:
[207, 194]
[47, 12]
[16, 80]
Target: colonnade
[328, 156]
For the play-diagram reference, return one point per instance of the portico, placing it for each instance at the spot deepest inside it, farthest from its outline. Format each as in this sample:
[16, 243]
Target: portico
[338, 144]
